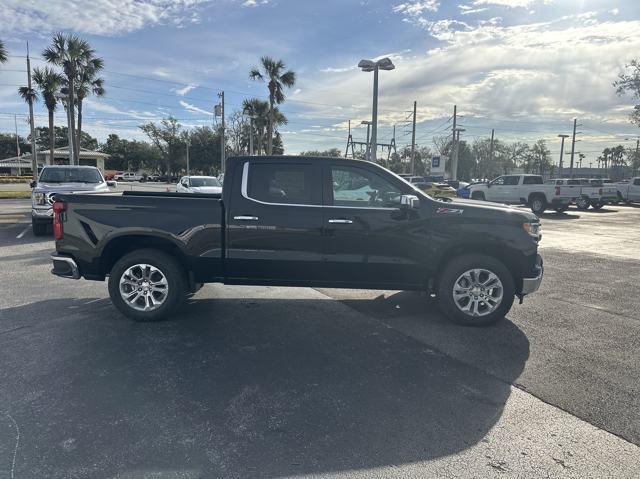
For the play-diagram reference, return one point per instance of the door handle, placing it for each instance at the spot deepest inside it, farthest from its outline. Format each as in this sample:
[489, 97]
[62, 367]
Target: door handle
[340, 221]
[245, 218]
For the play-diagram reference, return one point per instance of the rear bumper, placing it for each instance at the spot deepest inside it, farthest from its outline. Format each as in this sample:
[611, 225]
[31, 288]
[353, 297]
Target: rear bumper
[42, 214]
[531, 285]
[65, 267]
[560, 201]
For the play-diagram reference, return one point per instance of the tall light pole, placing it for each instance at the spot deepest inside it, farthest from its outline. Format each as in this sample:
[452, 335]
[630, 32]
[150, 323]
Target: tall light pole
[188, 141]
[371, 66]
[367, 153]
[561, 153]
[454, 156]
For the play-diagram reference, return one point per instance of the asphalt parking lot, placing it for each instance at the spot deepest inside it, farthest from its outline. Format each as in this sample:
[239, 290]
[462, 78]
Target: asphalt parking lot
[280, 382]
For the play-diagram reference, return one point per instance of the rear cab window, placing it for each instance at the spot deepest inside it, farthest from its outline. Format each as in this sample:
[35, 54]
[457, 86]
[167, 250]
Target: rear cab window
[284, 183]
[532, 180]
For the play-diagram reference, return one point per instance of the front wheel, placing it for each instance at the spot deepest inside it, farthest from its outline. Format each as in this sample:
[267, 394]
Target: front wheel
[147, 285]
[583, 203]
[476, 290]
[538, 204]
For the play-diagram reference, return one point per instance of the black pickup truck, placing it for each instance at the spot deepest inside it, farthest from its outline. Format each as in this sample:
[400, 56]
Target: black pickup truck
[300, 221]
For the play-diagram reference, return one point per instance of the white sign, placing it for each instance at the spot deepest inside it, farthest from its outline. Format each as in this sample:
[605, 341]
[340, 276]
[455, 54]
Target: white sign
[437, 165]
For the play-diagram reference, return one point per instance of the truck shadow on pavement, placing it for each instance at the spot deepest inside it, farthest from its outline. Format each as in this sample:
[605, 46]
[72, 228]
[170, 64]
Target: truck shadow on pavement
[242, 387]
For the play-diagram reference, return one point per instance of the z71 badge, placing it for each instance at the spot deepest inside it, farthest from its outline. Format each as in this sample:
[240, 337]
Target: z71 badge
[449, 211]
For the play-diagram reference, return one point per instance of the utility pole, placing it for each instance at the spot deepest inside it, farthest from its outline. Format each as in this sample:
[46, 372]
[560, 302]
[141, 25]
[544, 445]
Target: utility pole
[561, 154]
[250, 136]
[374, 118]
[573, 146]
[491, 147]
[15, 121]
[34, 151]
[222, 142]
[188, 142]
[454, 146]
[413, 140]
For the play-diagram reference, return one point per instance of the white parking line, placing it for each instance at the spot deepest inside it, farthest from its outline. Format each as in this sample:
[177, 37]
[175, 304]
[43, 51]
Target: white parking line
[23, 232]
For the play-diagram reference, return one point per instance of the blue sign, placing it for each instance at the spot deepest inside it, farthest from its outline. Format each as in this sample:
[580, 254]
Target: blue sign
[435, 162]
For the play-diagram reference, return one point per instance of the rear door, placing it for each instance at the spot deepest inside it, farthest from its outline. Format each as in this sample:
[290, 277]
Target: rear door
[369, 238]
[504, 189]
[274, 231]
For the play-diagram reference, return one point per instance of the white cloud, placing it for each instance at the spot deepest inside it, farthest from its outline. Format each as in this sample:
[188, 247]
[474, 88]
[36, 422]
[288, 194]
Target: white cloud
[254, 3]
[194, 109]
[509, 3]
[161, 72]
[417, 7]
[98, 17]
[183, 91]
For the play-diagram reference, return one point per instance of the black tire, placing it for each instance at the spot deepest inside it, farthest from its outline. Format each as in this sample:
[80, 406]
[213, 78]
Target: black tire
[454, 269]
[583, 203]
[167, 265]
[561, 209]
[478, 195]
[597, 206]
[39, 228]
[538, 204]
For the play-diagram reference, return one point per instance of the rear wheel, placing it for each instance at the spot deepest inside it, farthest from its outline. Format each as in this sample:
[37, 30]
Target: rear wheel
[147, 285]
[39, 228]
[476, 290]
[538, 204]
[582, 203]
[478, 195]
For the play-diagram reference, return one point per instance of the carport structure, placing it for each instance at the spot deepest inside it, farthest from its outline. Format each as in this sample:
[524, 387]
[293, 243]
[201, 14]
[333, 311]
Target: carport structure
[22, 164]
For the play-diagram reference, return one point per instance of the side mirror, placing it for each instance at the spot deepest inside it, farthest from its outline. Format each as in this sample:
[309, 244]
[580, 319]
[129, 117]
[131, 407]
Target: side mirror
[33, 184]
[112, 184]
[410, 201]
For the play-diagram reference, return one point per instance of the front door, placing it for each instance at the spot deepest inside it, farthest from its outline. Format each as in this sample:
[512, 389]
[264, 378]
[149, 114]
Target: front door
[274, 223]
[369, 238]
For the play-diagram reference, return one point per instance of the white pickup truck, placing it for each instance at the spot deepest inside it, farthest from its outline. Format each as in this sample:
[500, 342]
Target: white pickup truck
[588, 192]
[629, 192]
[527, 190]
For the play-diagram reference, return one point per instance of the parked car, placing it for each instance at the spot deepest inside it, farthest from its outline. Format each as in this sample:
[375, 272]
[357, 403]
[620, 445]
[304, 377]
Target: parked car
[199, 184]
[127, 176]
[62, 179]
[436, 190]
[153, 177]
[464, 191]
[290, 221]
[525, 189]
[629, 192]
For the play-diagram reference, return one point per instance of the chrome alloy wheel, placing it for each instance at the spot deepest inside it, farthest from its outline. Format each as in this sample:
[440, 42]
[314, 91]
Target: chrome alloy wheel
[143, 287]
[477, 292]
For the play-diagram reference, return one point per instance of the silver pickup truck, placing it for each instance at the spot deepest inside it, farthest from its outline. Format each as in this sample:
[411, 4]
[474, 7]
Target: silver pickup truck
[588, 191]
[62, 179]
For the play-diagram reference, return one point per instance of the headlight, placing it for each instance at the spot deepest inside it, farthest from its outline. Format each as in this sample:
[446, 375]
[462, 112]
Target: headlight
[39, 198]
[532, 228]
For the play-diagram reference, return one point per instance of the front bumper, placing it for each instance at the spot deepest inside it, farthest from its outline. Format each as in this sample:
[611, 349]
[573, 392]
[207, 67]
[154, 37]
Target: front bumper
[531, 285]
[65, 267]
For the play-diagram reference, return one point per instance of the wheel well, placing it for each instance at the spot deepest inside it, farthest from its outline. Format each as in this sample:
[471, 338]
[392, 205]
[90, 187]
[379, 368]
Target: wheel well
[506, 256]
[123, 245]
[533, 196]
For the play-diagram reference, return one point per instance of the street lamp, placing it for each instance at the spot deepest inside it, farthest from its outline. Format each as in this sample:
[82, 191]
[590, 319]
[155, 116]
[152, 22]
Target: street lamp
[64, 99]
[561, 153]
[367, 153]
[374, 66]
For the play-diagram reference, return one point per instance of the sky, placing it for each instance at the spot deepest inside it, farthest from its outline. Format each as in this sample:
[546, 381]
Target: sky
[525, 68]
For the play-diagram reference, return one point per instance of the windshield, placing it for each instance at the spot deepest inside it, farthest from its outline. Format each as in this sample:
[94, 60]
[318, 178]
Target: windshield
[209, 181]
[70, 175]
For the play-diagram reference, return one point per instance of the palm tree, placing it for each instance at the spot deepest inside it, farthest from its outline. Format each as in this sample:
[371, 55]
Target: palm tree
[258, 110]
[71, 53]
[49, 82]
[273, 72]
[88, 83]
[29, 95]
[3, 52]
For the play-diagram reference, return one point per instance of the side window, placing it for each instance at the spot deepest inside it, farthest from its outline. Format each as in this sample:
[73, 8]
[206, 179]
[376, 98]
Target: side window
[636, 182]
[284, 183]
[361, 188]
[511, 180]
[498, 181]
[530, 180]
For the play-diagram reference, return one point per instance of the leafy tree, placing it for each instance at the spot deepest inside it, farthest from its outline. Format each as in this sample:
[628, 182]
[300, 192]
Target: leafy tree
[333, 153]
[130, 154]
[8, 146]
[48, 81]
[61, 138]
[630, 83]
[538, 159]
[204, 150]
[273, 71]
[3, 52]
[167, 138]
[71, 53]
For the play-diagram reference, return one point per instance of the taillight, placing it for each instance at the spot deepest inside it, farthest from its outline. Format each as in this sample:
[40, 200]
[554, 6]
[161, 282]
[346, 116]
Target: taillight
[557, 191]
[59, 207]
